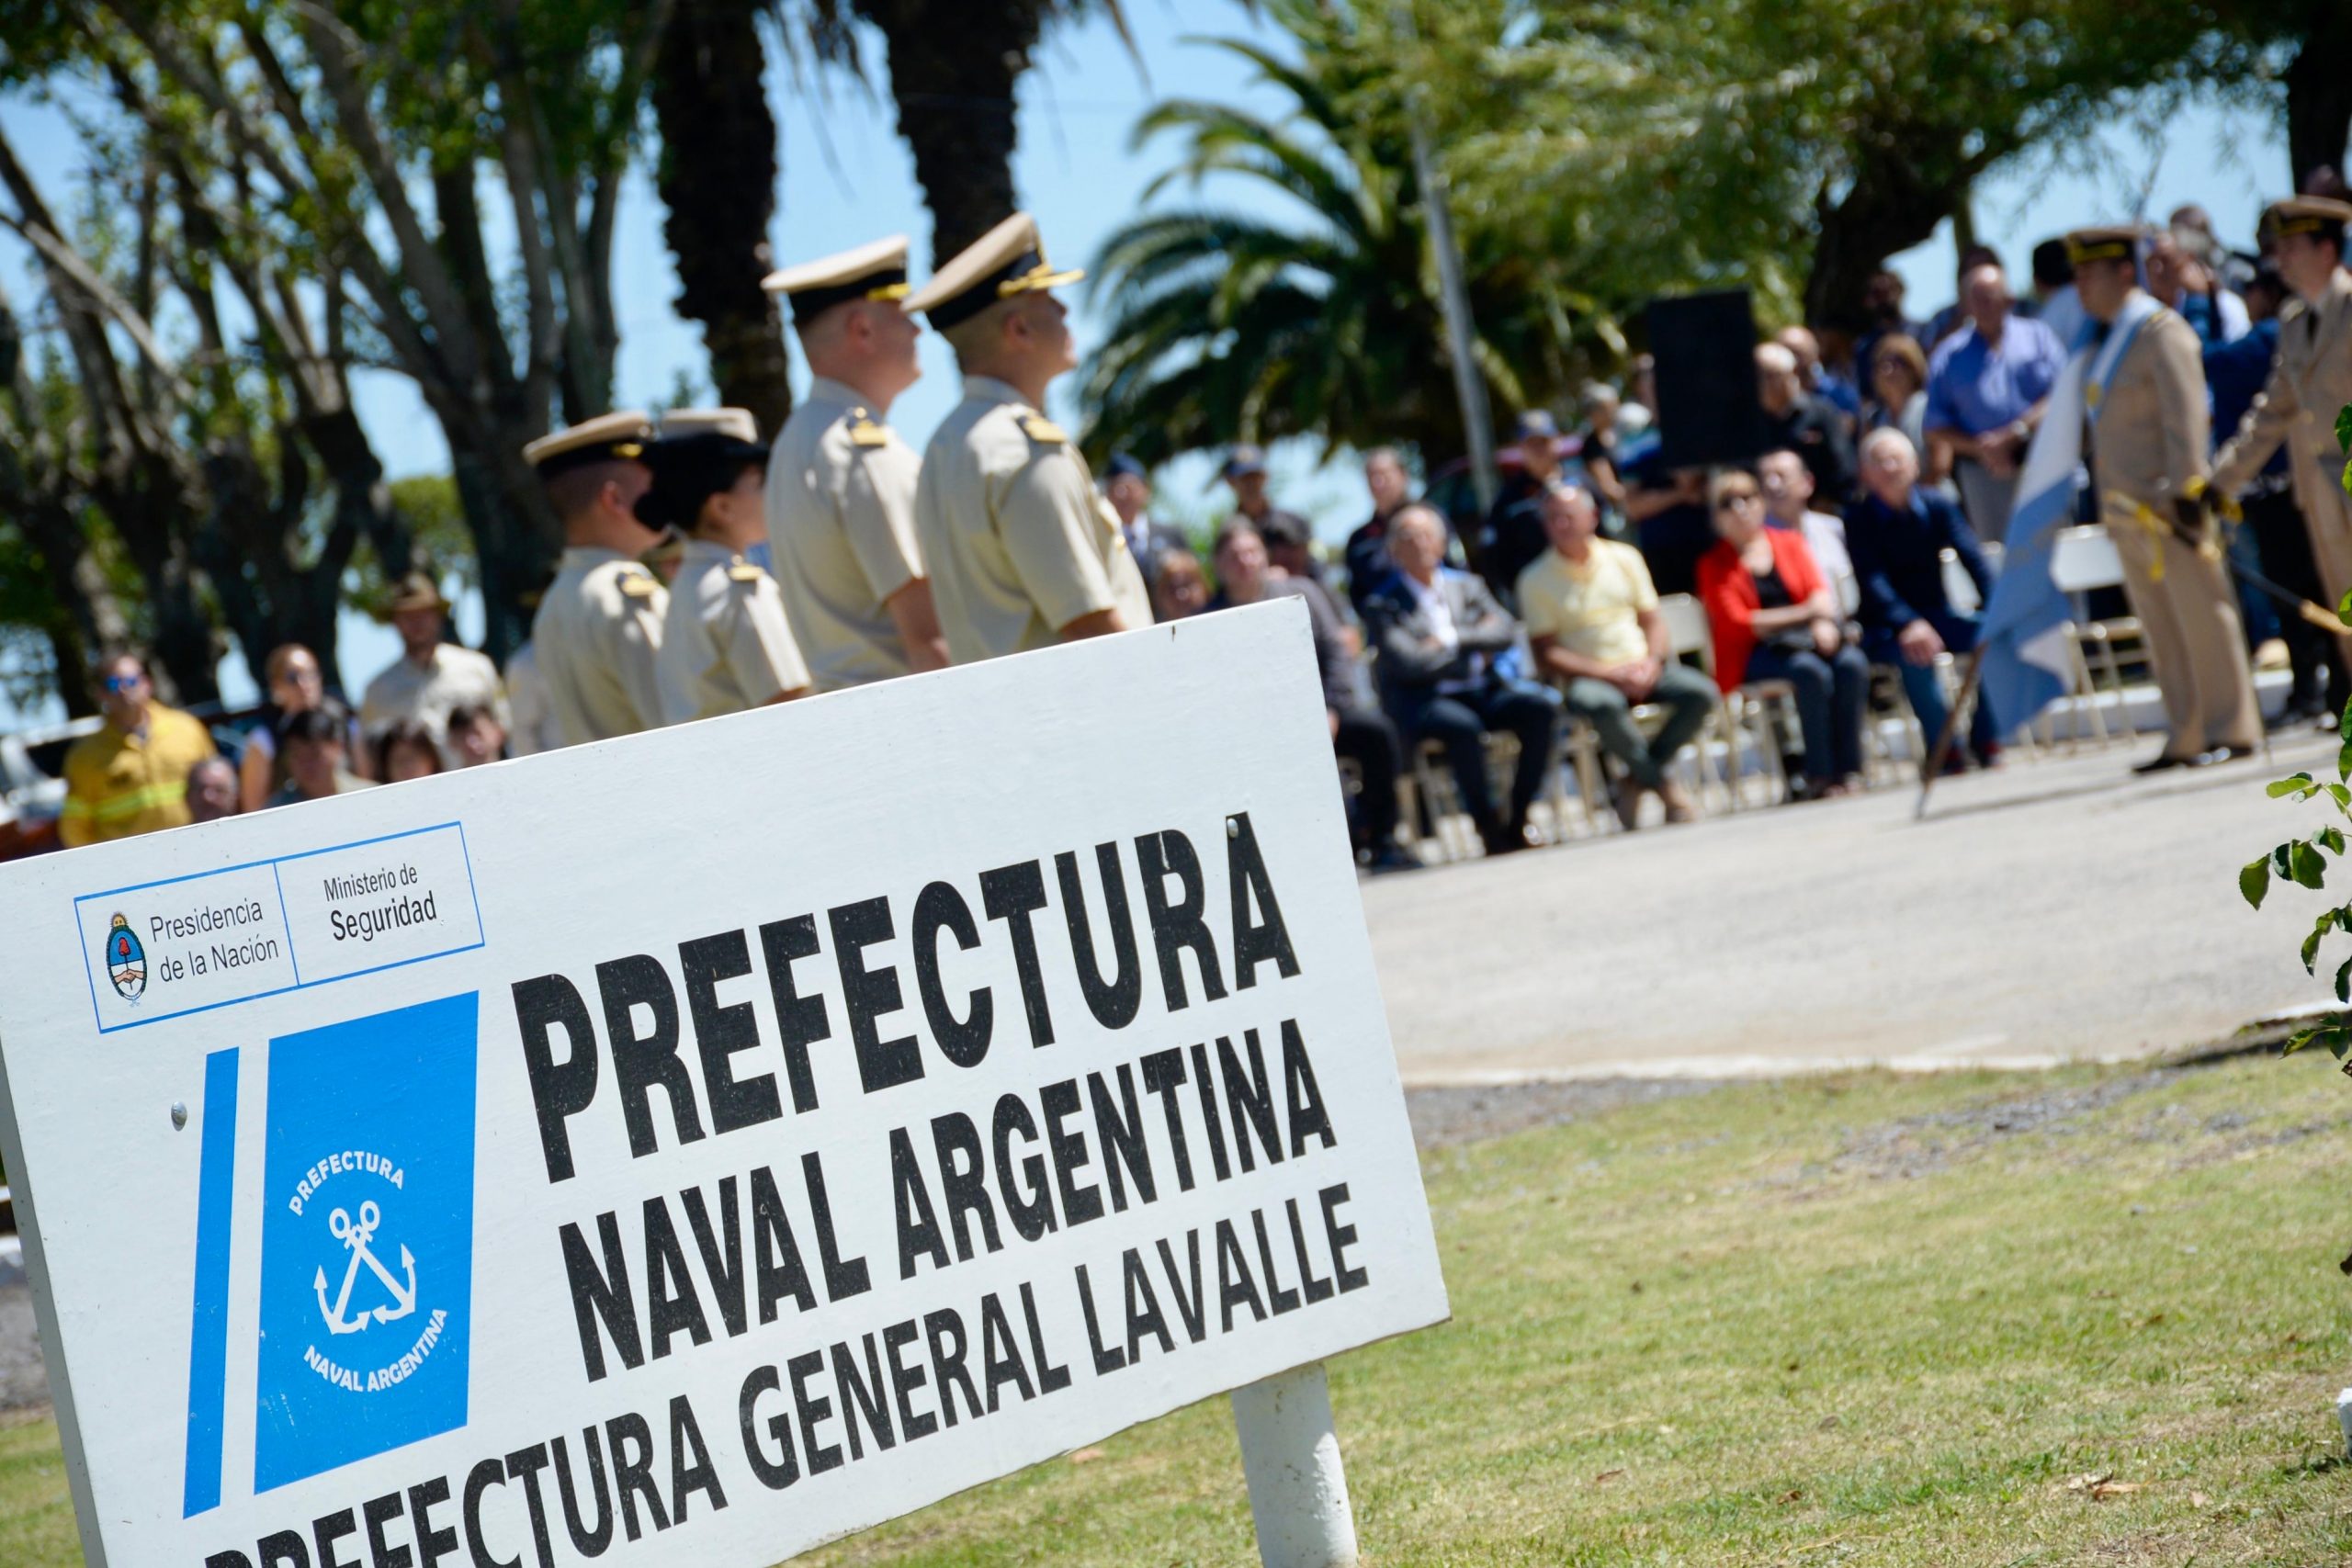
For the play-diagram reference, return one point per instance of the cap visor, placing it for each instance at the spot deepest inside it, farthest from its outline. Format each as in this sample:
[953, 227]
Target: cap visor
[1039, 282]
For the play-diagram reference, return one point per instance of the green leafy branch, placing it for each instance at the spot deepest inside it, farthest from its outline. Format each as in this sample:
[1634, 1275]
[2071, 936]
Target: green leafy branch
[2303, 862]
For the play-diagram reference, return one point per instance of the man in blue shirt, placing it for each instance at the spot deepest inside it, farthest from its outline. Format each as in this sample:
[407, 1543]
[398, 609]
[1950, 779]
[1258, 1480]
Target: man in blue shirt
[1897, 535]
[1986, 386]
[2235, 373]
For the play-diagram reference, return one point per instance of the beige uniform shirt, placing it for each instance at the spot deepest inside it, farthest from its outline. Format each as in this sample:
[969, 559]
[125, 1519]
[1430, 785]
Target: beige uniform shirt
[2311, 380]
[725, 643]
[595, 638]
[2153, 429]
[841, 505]
[459, 677]
[1017, 543]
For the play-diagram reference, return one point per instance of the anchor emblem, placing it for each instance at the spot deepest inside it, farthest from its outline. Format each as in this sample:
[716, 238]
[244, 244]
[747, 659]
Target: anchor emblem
[354, 1237]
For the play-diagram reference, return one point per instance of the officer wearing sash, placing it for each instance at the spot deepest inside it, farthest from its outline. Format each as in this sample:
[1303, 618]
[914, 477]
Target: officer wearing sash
[725, 645]
[840, 486]
[2310, 381]
[1022, 551]
[2144, 399]
[599, 626]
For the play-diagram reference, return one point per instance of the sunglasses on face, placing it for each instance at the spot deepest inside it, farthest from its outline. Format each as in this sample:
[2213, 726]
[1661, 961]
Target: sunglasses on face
[116, 685]
[1736, 498]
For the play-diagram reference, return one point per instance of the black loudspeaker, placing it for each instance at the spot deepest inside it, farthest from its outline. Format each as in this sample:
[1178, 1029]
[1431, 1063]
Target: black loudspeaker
[1704, 346]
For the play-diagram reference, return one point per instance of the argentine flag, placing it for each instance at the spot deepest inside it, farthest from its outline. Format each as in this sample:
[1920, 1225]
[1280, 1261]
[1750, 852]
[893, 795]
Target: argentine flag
[2027, 663]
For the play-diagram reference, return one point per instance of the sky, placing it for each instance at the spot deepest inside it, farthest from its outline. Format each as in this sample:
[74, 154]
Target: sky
[847, 178]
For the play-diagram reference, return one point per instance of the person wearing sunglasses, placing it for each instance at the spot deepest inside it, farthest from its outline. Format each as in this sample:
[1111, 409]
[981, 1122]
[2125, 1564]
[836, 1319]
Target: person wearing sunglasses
[1774, 617]
[130, 777]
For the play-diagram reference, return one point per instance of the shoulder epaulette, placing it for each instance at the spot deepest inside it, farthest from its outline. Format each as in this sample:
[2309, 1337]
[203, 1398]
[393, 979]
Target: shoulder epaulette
[637, 583]
[741, 570]
[1041, 430]
[864, 431]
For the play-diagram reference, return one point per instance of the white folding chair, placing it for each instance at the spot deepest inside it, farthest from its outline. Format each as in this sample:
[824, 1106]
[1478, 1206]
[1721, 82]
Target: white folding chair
[2084, 559]
[1960, 589]
[1688, 633]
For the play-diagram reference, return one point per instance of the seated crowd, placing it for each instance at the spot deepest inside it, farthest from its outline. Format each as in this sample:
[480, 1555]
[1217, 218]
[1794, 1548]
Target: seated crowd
[1603, 592]
[1556, 619]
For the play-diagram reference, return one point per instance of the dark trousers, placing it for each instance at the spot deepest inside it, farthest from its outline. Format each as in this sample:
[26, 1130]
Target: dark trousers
[1459, 722]
[1926, 691]
[1366, 738]
[1830, 693]
[2283, 548]
[2256, 614]
[1687, 696]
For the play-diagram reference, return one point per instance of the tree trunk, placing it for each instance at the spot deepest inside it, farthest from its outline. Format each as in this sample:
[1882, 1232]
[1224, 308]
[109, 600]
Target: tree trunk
[716, 179]
[182, 655]
[516, 534]
[953, 70]
[2319, 93]
[1888, 208]
[86, 620]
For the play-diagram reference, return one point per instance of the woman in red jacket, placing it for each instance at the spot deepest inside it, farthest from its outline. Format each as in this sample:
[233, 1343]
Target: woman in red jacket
[1775, 618]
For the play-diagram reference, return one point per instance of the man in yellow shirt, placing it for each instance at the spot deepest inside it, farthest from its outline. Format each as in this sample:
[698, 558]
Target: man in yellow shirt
[131, 776]
[1592, 615]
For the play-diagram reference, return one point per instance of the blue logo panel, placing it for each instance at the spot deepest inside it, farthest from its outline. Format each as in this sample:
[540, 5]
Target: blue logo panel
[367, 1247]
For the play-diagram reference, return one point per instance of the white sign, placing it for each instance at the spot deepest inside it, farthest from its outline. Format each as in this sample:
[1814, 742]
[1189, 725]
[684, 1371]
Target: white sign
[697, 1147]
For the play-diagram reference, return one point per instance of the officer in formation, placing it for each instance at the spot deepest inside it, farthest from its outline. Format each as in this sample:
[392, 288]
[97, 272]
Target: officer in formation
[598, 630]
[840, 486]
[1022, 551]
[2311, 381]
[726, 643]
[2150, 434]
[995, 542]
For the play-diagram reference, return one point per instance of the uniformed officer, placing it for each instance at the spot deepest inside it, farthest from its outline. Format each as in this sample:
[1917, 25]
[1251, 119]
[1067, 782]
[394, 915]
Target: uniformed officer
[2311, 381]
[599, 626]
[2150, 433]
[725, 645]
[1022, 552]
[841, 491]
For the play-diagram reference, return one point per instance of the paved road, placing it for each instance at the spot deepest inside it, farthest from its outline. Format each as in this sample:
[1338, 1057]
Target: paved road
[2056, 909]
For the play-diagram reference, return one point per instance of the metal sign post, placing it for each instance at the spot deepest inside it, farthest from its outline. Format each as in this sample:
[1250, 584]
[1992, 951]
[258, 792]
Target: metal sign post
[1290, 1452]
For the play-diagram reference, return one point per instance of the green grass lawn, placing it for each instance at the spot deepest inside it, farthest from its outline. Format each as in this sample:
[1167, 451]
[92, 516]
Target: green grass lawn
[1869, 1319]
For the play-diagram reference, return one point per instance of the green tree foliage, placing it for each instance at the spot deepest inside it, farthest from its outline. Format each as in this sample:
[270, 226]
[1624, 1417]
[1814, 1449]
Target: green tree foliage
[218, 455]
[383, 145]
[2315, 38]
[1598, 156]
[1323, 320]
[1820, 135]
[2303, 861]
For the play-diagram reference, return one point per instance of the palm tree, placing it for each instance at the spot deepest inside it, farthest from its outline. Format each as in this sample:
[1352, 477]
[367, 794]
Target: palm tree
[1226, 325]
[716, 176]
[954, 67]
